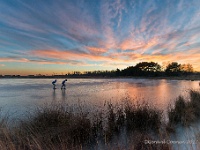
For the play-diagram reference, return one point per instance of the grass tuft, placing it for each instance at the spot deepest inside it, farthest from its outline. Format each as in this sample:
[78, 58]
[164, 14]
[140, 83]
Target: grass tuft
[184, 111]
[142, 117]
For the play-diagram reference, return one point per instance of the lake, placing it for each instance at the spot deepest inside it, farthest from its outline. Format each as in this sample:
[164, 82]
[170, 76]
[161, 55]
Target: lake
[19, 95]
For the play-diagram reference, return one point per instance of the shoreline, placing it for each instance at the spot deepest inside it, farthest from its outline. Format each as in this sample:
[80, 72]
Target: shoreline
[190, 77]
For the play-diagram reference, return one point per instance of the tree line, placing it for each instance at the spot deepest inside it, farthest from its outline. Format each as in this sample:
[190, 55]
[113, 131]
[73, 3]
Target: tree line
[154, 69]
[151, 69]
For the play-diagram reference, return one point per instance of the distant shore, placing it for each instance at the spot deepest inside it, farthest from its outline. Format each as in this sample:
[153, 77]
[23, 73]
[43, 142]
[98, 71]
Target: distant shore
[189, 77]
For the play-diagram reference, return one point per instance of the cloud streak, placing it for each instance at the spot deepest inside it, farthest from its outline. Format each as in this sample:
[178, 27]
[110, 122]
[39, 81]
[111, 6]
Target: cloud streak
[69, 55]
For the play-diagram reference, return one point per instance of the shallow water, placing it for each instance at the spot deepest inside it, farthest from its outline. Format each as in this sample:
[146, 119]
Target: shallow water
[18, 95]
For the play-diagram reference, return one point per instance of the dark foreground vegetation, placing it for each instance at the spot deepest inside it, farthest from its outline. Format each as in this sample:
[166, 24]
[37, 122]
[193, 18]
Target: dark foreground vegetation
[185, 111]
[59, 127]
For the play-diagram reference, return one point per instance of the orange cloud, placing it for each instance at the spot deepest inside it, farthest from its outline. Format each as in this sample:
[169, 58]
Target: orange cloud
[13, 60]
[96, 50]
[140, 45]
[130, 44]
[24, 60]
[68, 55]
[111, 61]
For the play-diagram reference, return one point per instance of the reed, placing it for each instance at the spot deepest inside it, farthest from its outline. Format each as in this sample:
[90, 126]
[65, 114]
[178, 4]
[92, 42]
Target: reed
[143, 117]
[185, 111]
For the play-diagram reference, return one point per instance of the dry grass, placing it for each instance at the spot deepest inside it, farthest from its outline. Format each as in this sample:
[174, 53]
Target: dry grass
[185, 111]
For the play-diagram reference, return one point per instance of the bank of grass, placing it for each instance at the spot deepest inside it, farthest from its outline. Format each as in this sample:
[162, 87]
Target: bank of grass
[185, 111]
[61, 127]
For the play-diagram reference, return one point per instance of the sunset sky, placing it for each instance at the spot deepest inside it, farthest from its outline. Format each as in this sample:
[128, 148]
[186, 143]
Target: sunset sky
[59, 36]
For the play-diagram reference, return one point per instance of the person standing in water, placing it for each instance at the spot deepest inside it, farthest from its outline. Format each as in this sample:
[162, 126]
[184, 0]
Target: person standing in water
[63, 84]
[54, 84]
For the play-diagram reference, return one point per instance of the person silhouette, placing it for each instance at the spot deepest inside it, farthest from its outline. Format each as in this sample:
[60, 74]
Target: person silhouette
[54, 84]
[63, 84]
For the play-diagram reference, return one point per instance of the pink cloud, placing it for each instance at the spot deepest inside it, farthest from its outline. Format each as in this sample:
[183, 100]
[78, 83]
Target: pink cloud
[131, 44]
[96, 50]
[25, 60]
[13, 60]
[140, 45]
[68, 55]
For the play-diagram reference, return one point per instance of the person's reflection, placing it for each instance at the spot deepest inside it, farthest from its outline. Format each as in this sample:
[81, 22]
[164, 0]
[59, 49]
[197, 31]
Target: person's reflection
[63, 96]
[54, 96]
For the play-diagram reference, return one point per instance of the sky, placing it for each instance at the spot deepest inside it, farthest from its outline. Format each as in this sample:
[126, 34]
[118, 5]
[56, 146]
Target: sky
[59, 36]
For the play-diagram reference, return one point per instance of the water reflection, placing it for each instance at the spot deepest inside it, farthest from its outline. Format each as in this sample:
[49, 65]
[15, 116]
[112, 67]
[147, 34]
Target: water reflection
[64, 96]
[54, 96]
[59, 96]
[159, 93]
[93, 91]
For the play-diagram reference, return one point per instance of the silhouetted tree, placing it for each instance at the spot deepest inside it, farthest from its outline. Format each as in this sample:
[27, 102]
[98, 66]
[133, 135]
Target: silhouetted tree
[118, 72]
[186, 69]
[149, 67]
[129, 71]
[173, 69]
[140, 69]
[143, 69]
